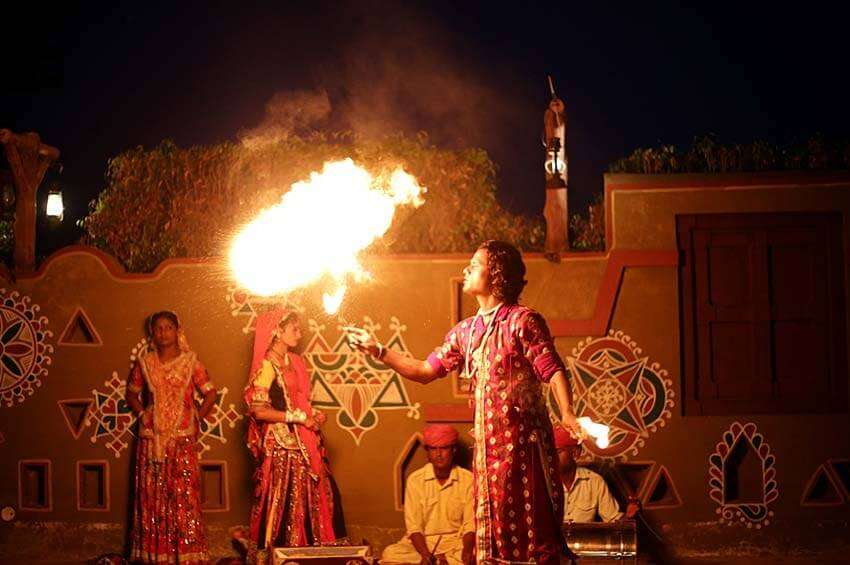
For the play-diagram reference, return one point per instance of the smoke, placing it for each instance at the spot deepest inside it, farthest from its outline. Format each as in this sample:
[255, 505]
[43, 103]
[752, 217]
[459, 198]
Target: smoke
[399, 73]
[287, 114]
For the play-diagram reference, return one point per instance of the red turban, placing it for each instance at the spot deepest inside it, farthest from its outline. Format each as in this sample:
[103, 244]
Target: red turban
[564, 438]
[439, 435]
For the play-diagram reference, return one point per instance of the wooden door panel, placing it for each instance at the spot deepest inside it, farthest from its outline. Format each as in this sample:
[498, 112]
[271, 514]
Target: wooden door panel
[763, 326]
[731, 368]
[799, 362]
[726, 267]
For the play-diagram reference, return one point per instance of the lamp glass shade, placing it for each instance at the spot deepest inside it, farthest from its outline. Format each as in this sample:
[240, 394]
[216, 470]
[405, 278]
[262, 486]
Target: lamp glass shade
[55, 206]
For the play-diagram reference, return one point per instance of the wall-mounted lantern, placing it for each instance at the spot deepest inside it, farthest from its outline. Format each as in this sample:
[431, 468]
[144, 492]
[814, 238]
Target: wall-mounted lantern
[55, 206]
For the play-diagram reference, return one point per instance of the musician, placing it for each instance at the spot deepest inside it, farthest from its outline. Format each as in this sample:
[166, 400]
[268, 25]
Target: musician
[438, 511]
[586, 494]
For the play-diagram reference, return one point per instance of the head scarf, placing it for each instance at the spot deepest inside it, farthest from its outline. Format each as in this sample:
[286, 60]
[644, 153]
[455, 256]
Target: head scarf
[265, 330]
[439, 435]
[563, 438]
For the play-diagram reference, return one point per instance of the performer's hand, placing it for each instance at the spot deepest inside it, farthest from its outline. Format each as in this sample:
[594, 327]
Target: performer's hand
[632, 508]
[320, 418]
[310, 423]
[363, 341]
[570, 423]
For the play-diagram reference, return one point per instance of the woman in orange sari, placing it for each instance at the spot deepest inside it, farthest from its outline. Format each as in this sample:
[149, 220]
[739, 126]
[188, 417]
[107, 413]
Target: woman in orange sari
[293, 504]
[167, 525]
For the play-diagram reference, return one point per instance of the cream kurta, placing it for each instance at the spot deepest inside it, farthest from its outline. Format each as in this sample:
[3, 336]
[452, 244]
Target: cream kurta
[588, 496]
[443, 512]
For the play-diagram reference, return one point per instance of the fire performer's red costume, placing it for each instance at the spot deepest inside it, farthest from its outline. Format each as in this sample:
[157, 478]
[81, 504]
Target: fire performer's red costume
[519, 502]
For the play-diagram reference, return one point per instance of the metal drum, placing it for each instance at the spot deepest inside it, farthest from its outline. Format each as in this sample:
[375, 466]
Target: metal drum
[607, 541]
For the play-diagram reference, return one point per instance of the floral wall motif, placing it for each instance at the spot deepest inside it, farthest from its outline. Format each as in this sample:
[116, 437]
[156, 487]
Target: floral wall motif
[111, 417]
[615, 384]
[24, 347]
[752, 514]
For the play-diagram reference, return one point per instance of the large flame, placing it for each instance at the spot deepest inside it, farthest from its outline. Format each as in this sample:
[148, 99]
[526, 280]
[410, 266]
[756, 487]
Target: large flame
[318, 230]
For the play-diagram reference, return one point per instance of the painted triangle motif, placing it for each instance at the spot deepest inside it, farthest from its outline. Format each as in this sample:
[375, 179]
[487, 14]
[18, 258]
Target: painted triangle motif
[75, 412]
[391, 396]
[822, 490]
[634, 475]
[841, 471]
[662, 492]
[80, 331]
[323, 396]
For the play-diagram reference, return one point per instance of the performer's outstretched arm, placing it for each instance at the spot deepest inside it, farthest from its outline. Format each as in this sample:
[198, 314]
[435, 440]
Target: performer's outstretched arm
[414, 369]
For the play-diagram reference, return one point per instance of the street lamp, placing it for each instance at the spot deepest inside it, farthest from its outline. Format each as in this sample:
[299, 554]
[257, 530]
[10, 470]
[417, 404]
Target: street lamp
[55, 206]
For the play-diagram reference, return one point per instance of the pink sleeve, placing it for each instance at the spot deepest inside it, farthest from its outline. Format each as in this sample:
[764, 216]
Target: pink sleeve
[201, 378]
[449, 356]
[539, 348]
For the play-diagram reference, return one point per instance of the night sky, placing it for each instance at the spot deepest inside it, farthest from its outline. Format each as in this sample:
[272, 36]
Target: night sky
[97, 79]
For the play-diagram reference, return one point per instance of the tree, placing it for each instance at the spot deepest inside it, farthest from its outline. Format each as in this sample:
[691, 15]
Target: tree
[186, 202]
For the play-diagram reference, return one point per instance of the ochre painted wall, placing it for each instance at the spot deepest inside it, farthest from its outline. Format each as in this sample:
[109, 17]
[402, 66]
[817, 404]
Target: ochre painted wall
[583, 297]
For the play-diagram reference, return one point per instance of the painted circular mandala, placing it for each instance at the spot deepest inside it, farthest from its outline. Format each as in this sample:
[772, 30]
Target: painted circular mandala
[616, 385]
[24, 351]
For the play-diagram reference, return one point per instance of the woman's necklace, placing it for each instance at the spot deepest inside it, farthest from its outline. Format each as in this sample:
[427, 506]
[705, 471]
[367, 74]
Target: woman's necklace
[488, 329]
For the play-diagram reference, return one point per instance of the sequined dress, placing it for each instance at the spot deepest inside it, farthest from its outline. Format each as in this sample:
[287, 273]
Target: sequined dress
[519, 503]
[167, 524]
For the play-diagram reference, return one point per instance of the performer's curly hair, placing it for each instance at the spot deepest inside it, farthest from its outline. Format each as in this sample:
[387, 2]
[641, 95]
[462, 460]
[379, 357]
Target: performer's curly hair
[507, 270]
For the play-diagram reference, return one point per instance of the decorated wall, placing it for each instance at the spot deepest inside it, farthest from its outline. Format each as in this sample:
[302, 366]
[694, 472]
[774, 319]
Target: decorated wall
[709, 482]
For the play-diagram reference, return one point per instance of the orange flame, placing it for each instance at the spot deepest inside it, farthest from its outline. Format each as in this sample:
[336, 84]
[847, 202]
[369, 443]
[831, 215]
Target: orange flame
[318, 230]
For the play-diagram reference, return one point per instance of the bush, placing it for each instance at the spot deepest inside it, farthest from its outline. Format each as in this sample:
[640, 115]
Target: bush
[187, 202]
[708, 155]
[588, 234]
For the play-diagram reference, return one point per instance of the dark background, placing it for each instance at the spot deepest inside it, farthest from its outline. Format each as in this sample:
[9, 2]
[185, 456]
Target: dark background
[97, 78]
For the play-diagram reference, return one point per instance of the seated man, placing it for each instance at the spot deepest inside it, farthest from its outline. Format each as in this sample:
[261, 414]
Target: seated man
[437, 507]
[585, 493]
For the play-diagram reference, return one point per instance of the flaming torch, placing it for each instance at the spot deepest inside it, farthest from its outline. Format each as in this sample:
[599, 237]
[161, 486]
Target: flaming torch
[599, 432]
[319, 229]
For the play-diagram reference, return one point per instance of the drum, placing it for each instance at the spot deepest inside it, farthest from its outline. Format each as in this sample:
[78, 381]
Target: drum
[608, 541]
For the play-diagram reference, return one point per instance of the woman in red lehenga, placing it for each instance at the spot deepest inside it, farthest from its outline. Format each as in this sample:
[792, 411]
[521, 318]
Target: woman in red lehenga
[167, 525]
[293, 502]
[507, 351]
